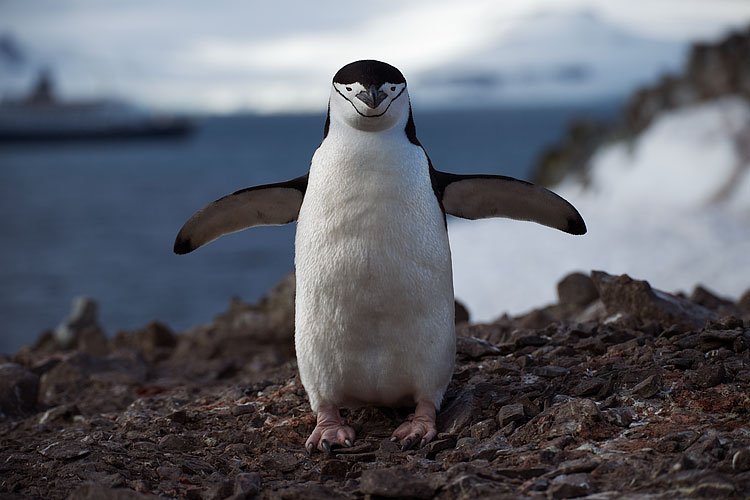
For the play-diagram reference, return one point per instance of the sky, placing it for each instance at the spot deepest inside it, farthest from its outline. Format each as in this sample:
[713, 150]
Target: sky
[234, 55]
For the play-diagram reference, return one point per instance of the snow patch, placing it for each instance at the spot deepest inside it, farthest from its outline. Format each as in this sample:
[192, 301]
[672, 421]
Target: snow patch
[673, 207]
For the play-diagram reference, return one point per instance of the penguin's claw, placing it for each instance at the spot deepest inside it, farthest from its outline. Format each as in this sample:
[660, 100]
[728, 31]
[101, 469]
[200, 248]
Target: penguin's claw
[418, 429]
[331, 430]
[325, 446]
[406, 445]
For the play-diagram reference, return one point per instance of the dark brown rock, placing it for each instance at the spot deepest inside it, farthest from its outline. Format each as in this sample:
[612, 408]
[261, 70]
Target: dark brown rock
[64, 450]
[744, 303]
[579, 418]
[488, 449]
[173, 442]
[726, 337]
[458, 413]
[531, 340]
[461, 313]
[483, 429]
[225, 410]
[92, 339]
[439, 445]
[707, 376]
[551, 371]
[83, 316]
[577, 289]
[621, 417]
[588, 386]
[247, 485]
[586, 464]
[99, 492]
[395, 483]
[704, 297]
[648, 388]
[475, 348]
[334, 468]
[155, 341]
[537, 319]
[622, 294]
[593, 345]
[18, 391]
[570, 486]
[741, 460]
[62, 412]
[510, 413]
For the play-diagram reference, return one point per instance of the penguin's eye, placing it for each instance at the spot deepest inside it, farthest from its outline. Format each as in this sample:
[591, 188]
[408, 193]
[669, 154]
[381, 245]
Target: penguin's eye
[348, 89]
[393, 89]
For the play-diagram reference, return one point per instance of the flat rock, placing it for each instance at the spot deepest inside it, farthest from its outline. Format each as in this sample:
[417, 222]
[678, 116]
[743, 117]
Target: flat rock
[475, 348]
[64, 450]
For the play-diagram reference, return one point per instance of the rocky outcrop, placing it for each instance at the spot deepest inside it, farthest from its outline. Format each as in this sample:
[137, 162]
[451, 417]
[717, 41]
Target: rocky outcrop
[619, 390]
[712, 71]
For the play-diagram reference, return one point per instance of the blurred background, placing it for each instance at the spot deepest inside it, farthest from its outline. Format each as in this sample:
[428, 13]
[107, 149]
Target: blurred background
[118, 120]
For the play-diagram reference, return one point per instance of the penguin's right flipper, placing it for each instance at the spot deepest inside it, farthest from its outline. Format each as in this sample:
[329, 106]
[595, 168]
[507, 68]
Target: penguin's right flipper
[266, 205]
[482, 196]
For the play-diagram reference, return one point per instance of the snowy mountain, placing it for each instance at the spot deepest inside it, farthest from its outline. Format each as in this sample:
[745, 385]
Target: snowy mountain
[552, 56]
[486, 54]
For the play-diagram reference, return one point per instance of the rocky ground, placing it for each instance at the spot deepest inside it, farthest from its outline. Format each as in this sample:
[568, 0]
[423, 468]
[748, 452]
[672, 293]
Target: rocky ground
[617, 391]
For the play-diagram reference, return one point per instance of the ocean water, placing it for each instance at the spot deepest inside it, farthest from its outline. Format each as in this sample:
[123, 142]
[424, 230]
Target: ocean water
[99, 219]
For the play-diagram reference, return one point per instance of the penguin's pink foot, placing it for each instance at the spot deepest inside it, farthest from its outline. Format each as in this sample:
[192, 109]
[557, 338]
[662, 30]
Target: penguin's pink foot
[419, 428]
[330, 430]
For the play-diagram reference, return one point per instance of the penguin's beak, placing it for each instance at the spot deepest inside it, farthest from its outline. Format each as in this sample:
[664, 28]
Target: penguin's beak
[372, 97]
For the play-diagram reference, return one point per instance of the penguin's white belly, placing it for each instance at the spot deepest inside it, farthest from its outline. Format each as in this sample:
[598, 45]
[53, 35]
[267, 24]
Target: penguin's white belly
[374, 305]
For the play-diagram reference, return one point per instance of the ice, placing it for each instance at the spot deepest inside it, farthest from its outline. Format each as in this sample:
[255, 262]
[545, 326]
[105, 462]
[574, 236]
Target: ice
[672, 207]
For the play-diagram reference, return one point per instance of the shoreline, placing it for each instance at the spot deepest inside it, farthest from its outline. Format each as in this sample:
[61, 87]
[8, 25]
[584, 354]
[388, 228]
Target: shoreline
[617, 389]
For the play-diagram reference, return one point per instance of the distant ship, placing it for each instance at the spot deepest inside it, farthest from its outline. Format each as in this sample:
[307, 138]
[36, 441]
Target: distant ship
[41, 116]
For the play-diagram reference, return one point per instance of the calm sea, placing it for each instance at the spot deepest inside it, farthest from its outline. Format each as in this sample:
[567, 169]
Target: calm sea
[99, 219]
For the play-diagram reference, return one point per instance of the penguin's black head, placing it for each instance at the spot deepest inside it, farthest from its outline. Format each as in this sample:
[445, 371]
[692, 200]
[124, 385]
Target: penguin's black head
[369, 95]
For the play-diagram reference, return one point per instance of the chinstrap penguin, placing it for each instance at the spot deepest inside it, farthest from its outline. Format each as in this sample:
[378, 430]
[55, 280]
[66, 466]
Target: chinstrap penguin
[374, 318]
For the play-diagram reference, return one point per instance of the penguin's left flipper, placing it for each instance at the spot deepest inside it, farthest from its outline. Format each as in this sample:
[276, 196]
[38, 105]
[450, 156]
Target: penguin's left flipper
[266, 205]
[483, 196]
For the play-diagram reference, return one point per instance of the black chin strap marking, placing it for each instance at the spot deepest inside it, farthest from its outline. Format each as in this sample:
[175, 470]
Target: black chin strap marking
[370, 116]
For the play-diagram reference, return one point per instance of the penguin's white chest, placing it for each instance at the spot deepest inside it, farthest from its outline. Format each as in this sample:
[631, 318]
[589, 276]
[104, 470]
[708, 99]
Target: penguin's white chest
[374, 305]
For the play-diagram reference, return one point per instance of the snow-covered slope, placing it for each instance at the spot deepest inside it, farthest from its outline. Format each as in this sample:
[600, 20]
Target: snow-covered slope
[673, 207]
